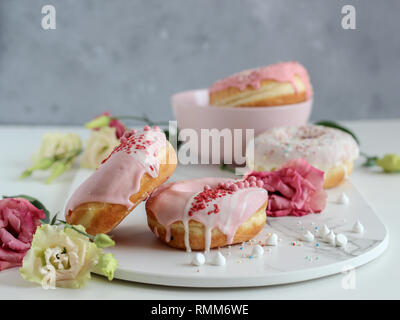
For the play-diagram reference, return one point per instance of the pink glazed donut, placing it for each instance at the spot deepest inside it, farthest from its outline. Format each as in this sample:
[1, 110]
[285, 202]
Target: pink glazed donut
[207, 213]
[273, 85]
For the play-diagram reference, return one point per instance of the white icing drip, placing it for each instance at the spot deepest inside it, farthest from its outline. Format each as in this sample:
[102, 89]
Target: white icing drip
[168, 233]
[208, 231]
[185, 221]
[346, 172]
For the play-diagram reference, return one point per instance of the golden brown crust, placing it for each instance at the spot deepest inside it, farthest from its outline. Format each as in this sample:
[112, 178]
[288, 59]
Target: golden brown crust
[100, 217]
[246, 231]
[275, 94]
[337, 175]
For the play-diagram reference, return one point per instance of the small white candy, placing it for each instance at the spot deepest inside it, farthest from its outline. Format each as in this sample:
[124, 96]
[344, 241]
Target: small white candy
[358, 227]
[257, 251]
[330, 238]
[341, 240]
[323, 231]
[219, 259]
[343, 199]
[198, 259]
[272, 240]
[307, 236]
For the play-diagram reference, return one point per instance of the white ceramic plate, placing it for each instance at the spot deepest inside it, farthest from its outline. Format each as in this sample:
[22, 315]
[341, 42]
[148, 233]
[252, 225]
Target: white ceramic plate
[143, 258]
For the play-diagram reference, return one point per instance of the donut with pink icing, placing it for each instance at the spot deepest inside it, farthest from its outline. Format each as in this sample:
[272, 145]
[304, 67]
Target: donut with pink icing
[137, 166]
[330, 150]
[207, 213]
[277, 84]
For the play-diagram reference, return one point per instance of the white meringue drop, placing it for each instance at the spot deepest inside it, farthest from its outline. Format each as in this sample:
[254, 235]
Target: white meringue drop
[198, 259]
[343, 199]
[272, 240]
[218, 259]
[330, 238]
[341, 240]
[307, 236]
[358, 227]
[323, 231]
[257, 251]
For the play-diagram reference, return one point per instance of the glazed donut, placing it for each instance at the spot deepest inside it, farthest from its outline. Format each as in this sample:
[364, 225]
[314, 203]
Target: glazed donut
[330, 150]
[274, 85]
[207, 213]
[138, 165]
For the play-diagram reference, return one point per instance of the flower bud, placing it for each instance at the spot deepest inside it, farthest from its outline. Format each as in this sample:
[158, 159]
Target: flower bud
[107, 265]
[99, 122]
[389, 163]
[103, 241]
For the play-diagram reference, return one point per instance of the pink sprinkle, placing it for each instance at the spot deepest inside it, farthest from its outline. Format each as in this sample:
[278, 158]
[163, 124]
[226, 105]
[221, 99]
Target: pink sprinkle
[240, 184]
[246, 184]
[234, 187]
[260, 184]
[146, 128]
[252, 179]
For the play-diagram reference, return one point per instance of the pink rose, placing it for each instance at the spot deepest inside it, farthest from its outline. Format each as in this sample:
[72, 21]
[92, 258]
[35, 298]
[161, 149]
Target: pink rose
[115, 123]
[18, 222]
[295, 189]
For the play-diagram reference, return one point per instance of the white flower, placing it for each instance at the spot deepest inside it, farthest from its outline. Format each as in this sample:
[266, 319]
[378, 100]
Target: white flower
[59, 146]
[99, 145]
[63, 256]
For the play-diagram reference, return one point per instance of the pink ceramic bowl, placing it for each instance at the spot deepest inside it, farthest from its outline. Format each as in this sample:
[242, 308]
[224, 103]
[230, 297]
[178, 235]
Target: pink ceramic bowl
[192, 110]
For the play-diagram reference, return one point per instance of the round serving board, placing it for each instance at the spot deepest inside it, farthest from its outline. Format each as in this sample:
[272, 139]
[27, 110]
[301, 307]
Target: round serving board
[143, 258]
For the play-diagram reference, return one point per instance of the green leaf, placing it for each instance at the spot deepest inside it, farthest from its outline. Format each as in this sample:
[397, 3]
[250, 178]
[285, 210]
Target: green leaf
[53, 221]
[36, 203]
[332, 124]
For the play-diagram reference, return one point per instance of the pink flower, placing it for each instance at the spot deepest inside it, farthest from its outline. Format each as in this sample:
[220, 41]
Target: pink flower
[18, 222]
[115, 123]
[295, 189]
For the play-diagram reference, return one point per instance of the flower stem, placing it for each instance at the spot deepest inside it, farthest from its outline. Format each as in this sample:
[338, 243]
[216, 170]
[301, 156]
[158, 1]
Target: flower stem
[370, 161]
[67, 225]
[144, 119]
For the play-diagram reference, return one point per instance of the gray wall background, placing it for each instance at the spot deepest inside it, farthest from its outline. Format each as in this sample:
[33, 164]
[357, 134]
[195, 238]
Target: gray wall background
[130, 56]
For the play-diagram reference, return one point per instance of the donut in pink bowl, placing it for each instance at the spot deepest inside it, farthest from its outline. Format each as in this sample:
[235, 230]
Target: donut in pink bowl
[192, 110]
[276, 95]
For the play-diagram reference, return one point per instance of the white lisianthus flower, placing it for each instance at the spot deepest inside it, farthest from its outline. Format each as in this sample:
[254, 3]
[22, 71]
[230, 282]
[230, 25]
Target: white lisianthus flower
[57, 153]
[60, 256]
[58, 146]
[99, 145]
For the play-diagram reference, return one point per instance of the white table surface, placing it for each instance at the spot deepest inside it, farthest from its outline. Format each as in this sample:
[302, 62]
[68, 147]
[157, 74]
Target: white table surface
[376, 280]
